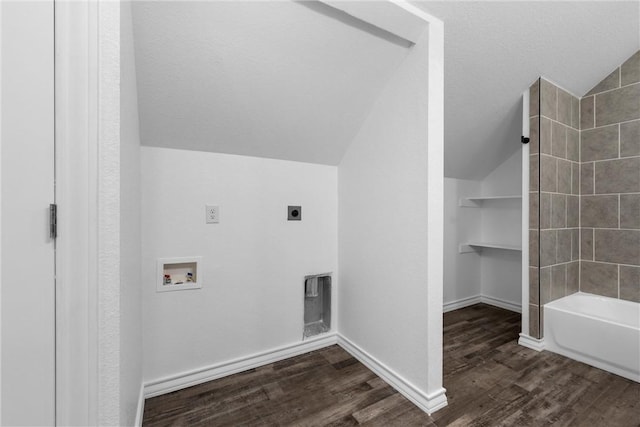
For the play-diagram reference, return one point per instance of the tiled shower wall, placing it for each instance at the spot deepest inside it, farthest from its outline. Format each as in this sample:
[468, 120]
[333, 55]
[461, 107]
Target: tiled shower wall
[534, 209]
[610, 185]
[584, 194]
[555, 203]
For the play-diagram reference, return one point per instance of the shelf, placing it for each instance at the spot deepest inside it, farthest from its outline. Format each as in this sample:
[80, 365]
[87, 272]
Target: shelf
[476, 202]
[476, 247]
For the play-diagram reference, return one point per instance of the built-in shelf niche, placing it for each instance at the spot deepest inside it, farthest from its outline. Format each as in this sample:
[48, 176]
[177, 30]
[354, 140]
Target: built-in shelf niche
[479, 202]
[179, 274]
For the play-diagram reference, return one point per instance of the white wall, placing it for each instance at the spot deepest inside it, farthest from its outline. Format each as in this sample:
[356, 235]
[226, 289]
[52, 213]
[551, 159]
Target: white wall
[506, 178]
[461, 271]
[501, 271]
[383, 205]
[254, 260]
[27, 319]
[130, 237]
[492, 273]
[108, 213]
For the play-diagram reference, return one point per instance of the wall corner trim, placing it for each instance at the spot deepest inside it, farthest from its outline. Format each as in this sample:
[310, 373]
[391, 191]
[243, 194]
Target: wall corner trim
[530, 342]
[208, 373]
[428, 403]
[140, 410]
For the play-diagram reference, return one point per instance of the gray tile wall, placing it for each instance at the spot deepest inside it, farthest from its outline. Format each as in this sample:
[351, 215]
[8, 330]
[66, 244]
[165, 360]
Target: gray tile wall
[610, 184]
[536, 204]
[584, 193]
[559, 213]
[554, 203]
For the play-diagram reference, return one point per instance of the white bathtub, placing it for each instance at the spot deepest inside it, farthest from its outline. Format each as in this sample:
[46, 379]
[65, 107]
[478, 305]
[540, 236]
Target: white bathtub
[600, 331]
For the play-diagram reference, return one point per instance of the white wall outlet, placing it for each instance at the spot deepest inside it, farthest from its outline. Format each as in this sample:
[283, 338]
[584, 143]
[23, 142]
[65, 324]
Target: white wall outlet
[212, 214]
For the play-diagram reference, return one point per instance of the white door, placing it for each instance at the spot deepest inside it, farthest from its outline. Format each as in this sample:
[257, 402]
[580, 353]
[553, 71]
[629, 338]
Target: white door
[27, 263]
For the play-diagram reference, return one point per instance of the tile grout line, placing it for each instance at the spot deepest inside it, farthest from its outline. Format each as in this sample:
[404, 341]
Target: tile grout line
[619, 131]
[556, 88]
[594, 111]
[566, 268]
[633, 156]
[611, 90]
[611, 124]
[614, 229]
[612, 263]
[566, 139]
[594, 177]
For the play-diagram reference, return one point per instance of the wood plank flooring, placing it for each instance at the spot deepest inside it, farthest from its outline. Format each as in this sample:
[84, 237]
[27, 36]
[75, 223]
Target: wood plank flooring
[490, 381]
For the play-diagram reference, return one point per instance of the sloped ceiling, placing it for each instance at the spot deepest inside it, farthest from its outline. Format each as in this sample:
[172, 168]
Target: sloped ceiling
[294, 80]
[286, 80]
[495, 50]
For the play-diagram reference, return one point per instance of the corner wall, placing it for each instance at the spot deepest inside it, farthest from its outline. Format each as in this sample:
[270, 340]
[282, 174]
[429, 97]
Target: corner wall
[130, 238]
[383, 244]
[585, 191]
[108, 204]
[492, 276]
[610, 187]
[554, 204]
[501, 270]
[461, 271]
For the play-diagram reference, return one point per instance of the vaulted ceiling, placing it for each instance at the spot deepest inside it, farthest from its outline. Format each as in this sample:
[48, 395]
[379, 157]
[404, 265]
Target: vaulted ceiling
[495, 50]
[294, 80]
[278, 79]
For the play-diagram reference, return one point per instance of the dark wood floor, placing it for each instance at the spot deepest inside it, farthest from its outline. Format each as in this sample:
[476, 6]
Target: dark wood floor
[490, 381]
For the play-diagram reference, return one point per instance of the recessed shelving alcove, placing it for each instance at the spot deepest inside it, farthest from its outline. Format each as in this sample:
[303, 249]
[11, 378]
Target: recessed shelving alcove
[492, 243]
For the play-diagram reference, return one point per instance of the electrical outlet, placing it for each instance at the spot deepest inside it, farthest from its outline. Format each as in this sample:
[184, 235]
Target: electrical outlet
[212, 214]
[294, 213]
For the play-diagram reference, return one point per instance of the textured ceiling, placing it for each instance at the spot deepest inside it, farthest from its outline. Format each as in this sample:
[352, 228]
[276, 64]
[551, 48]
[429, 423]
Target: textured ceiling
[495, 50]
[295, 80]
[287, 80]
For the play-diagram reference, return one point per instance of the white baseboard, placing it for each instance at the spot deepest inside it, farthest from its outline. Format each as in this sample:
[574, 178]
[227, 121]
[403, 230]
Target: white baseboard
[461, 303]
[140, 410]
[208, 373]
[531, 342]
[485, 299]
[500, 303]
[429, 403]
